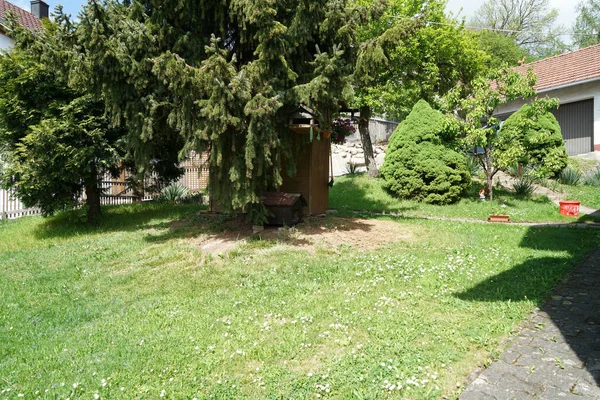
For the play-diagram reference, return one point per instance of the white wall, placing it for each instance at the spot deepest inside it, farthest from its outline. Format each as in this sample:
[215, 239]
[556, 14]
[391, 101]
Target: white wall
[585, 91]
[5, 42]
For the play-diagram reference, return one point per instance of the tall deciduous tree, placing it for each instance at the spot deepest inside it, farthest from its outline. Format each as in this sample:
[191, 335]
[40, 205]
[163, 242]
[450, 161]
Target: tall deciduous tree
[408, 53]
[586, 29]
[503, 50]
[55, 140]
[218, 77]
[531, 23]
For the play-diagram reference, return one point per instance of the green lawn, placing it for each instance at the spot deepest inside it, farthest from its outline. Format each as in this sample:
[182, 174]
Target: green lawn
[352, 193]
[587, 195]
[134, 309]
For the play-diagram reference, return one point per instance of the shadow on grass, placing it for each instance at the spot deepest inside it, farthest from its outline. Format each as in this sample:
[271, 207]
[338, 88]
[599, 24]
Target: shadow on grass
[218, 227]
[361, 194]
[129, 217]
[593, 217]
[358, 193]
[577, 318]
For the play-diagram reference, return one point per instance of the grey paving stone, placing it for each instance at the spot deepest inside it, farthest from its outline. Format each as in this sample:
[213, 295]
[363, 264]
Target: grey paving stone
[557, 353]
[476, 395]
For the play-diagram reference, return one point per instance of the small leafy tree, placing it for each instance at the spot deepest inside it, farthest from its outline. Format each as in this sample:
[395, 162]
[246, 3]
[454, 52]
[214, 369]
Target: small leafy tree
[417, 163]
[55, 141]
[533, 139]
[472, 118]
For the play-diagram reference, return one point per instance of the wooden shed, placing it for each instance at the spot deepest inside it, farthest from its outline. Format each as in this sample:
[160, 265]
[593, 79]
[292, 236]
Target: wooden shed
[312, 162]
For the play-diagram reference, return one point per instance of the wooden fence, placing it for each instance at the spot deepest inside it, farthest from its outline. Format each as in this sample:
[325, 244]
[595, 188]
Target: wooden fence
[117, 191]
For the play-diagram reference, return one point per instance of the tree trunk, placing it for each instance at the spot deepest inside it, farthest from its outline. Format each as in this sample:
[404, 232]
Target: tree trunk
[365, 138]
[490, 186]
[92, 201]
[489, 173]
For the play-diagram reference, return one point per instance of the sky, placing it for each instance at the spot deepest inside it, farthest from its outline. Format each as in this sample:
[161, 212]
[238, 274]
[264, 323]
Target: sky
[69, 6]
[566, 8]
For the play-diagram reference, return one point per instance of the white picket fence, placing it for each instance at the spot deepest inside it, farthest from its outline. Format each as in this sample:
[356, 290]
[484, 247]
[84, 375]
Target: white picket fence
[11, 207]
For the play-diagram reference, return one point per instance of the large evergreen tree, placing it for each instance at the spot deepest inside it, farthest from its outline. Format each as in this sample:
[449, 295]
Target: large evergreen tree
[220, 77]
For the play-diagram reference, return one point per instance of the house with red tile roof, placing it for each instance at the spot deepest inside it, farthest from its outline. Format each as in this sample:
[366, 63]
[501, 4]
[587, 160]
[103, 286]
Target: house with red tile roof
[574, 79]
[29, 19]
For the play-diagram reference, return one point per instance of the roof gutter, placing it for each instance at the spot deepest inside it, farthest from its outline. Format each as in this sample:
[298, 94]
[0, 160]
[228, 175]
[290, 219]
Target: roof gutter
[568, 85]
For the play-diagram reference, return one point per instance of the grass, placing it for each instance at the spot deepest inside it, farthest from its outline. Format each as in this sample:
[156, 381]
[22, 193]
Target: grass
[587, 195]
[361, 193]
[134, 309]
[582, 164]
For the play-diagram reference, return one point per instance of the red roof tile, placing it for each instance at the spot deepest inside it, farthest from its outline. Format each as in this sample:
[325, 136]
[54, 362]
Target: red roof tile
[25, 18]
[565, 69]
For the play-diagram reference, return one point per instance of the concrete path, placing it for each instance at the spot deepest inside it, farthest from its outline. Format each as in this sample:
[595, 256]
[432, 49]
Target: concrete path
[557, 353]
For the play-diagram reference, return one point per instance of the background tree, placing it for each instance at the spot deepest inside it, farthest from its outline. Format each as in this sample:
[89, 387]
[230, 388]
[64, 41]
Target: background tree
[530, 23]
[503, 50]
[586, 29]
[473, 115]
[410, 52]
[56, 141]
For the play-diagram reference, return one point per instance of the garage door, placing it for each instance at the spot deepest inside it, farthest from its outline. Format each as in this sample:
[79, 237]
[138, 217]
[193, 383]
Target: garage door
[577, 124]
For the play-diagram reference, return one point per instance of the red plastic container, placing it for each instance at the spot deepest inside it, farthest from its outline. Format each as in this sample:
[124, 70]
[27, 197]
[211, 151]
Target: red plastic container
[569, 208]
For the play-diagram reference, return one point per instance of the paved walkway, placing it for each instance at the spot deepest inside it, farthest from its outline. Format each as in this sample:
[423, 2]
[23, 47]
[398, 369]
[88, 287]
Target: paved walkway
[557, 354]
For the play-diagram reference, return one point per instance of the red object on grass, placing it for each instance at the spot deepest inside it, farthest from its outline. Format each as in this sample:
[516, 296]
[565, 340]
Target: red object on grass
[569, 208]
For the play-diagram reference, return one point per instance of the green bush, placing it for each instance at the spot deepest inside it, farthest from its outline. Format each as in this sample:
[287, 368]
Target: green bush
[473, 164]
[570, 176]
[417, 164]
[174, 193]
[523, 187]
[540, 145]
[592, 178]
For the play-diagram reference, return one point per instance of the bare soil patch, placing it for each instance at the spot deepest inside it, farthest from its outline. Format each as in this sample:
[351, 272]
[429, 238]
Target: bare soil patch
[313, 233]
[361, 234]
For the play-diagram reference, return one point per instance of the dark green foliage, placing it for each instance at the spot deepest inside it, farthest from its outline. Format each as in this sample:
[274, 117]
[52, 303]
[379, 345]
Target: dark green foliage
[535, 141]
[418, 165]
[220, 77]
[56, 141]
